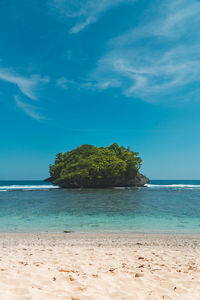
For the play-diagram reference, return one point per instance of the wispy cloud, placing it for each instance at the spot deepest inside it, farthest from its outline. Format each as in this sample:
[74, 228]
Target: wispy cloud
[85, 12]
[27, 85]
[29, 109]
[101, 85]
[158, 59]
[64, 82]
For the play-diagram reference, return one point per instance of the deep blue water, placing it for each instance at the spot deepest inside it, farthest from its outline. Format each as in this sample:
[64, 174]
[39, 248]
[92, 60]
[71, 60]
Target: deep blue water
[162, 206]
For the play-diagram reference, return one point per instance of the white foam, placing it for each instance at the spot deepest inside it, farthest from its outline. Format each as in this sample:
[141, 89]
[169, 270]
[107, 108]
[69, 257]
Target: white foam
[27, 187]
[173, 185]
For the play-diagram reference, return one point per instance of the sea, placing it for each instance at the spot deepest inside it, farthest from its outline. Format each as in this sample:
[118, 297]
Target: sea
[162, 206]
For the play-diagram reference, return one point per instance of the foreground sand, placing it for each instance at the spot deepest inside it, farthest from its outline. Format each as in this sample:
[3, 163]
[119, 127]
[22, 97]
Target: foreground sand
[101, 266]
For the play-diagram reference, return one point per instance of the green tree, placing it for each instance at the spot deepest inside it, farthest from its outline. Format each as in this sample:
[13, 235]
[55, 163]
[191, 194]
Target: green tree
[89, 166]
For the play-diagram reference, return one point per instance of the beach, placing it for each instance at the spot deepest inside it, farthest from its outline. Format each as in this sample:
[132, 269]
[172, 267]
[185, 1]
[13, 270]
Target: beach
[99, 266]
[100, 244]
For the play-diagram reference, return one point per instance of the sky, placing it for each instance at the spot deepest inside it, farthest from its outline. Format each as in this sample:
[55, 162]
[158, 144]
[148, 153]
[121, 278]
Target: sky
[78, 72]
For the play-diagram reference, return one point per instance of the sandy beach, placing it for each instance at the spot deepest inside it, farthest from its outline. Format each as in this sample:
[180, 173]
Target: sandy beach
[99, 266]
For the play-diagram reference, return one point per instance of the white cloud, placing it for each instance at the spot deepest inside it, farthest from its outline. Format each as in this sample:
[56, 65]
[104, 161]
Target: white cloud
[64, 82]
[101, 85]
[27, 85]
[29, 109]
[158, 59]
[85, 12]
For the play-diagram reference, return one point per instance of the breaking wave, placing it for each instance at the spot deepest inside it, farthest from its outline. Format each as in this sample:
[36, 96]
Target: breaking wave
[177, 186]
[6, 188]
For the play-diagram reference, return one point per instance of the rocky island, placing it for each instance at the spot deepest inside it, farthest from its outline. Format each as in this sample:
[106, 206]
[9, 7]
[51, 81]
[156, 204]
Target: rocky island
[97, 167]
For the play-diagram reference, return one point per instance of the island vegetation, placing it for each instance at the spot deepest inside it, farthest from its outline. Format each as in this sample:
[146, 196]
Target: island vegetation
[91, 167]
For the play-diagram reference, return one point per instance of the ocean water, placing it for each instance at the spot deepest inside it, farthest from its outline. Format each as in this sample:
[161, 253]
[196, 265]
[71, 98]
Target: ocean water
[160, 207]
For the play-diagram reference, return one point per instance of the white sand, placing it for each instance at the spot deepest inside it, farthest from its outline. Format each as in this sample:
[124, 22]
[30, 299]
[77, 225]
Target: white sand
[99, 266]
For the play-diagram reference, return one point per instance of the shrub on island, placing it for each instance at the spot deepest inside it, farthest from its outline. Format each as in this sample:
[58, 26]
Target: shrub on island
[97, 167]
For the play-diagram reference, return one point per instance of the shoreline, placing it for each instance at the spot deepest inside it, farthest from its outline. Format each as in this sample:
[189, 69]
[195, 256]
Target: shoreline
[106, 239]
[105, 232]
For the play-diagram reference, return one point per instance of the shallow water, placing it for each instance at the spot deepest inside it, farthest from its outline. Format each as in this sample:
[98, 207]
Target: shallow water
[161, 206]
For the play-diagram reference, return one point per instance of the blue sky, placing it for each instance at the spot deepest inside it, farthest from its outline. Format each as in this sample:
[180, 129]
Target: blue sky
[98, 72]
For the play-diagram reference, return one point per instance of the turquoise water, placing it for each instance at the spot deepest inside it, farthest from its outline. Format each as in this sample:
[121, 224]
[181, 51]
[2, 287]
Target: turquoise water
[161, 206]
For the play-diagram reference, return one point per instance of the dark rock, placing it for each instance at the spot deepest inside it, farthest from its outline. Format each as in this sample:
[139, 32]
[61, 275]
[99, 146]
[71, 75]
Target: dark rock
[138, 181]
